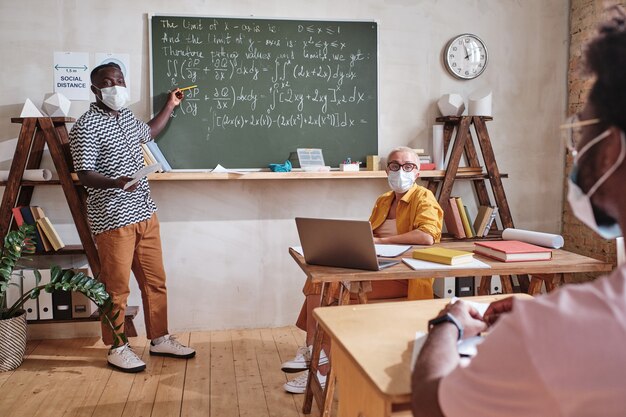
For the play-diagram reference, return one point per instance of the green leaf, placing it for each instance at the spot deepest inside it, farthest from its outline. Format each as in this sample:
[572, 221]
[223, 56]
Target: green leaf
[37, 276]
[34, 293]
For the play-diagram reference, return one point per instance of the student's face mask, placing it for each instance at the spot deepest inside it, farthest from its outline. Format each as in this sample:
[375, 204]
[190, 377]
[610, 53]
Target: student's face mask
[582, 207]
[401, 181]
[114, 97]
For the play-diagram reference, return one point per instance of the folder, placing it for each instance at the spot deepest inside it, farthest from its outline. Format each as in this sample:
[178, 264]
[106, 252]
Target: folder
[464, 286]
[45, 298]
[444, 287]
[82, 306]
[28, 283]
[14, 292]
[62, 305]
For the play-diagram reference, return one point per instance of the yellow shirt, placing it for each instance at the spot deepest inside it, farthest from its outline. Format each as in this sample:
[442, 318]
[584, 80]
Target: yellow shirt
[417, 209]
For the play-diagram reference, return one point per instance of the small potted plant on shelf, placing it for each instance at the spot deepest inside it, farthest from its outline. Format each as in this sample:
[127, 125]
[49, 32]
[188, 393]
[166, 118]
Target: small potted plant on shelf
[18, 243]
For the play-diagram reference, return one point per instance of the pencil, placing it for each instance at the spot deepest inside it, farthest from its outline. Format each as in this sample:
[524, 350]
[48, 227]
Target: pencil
[188, 88]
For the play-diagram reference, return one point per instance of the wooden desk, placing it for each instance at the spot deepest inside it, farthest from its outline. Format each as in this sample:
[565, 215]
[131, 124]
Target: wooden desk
[371, 358]
[551, 272]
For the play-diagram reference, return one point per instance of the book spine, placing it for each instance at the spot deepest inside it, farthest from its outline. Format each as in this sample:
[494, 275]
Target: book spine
[431, 257]
[464, 219]
[471, 226]
[28, 219]
[17, 215]
[492, 218]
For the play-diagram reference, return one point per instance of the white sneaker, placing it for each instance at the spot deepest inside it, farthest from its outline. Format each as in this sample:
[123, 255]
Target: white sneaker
[302, 360]
[124, 359]
[298, 384]
[172, 348]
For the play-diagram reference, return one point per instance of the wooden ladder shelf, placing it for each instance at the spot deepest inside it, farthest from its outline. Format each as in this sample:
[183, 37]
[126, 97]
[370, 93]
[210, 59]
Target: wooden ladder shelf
[35, 133]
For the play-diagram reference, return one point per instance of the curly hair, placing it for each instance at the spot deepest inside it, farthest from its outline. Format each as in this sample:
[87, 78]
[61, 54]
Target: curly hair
[606, 59]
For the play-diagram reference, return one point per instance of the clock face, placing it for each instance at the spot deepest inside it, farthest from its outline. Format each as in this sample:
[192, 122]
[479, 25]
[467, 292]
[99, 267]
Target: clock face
[465, 56]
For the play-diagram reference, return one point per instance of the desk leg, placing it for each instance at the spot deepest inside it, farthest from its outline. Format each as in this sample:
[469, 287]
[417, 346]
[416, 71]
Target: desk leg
[551, 281]
[507, 284]
[313, 387]
[485, 285]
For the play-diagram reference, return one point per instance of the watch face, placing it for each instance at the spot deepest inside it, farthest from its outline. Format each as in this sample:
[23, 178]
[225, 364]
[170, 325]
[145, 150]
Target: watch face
[465, 56]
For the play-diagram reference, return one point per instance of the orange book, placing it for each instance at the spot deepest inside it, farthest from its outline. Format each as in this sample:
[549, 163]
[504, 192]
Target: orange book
[512, 251]
[453, 219]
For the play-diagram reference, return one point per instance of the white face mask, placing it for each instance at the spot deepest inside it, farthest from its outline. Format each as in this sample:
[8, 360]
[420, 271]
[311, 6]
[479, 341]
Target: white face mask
[114, 97]
[401, 181]
[580, 202]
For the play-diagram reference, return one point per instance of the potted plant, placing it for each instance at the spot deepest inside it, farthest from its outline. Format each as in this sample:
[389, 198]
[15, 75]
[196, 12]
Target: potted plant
[18, 243]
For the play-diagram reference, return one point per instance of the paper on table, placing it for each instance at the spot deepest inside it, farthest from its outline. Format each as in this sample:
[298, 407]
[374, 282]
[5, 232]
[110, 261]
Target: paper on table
[480, 307]
[391, 251]
[142, 173]
[419, 265]
[221, 169]
[465, 347]
[536, 238]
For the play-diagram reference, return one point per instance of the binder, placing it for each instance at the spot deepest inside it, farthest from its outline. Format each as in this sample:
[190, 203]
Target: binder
[62, 305]
[45, 298]
[464, 286]
[14, 292]
[444, 287]
[28, 283]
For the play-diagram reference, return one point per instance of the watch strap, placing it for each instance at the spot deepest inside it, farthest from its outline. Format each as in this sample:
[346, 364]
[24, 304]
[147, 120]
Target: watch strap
[447, 318]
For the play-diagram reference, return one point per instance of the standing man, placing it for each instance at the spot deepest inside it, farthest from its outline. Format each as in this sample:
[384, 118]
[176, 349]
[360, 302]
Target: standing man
[105, 144]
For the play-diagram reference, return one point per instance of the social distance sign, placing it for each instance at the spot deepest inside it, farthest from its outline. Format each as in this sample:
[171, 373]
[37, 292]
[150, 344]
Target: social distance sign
[71, 75]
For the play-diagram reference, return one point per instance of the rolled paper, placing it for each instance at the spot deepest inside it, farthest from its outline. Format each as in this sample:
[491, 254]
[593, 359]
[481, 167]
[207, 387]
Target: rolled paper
[30, 175]
[438, 155]
[536, 238]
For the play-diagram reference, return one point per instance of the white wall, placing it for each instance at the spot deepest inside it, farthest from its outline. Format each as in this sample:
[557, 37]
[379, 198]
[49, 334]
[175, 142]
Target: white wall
[225, 243]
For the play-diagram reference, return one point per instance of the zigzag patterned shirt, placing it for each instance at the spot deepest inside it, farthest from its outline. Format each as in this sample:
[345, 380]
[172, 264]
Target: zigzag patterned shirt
[110, 145]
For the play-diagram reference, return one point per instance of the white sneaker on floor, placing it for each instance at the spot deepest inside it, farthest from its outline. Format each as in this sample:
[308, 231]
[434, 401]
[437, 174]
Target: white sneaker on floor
[172, 348]
[298, 384]
[124, 359]
[302, 360]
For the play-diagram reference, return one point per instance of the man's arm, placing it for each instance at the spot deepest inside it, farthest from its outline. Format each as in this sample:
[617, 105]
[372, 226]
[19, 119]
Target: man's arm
[414, 237]
[439, 357]
[94, 179]
[158, 123]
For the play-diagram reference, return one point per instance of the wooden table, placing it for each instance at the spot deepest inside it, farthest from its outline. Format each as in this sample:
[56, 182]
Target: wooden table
[371, 359]
[549, 272]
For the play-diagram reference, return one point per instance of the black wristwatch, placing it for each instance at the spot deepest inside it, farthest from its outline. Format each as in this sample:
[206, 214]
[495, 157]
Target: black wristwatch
[446, 318]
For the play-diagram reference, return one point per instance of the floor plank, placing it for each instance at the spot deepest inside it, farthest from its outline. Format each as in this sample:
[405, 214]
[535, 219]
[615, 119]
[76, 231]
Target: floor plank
[236, 373]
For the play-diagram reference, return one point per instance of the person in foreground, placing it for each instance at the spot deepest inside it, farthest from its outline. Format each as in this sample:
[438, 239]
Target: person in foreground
[408, 214]
[561, 354]
[105, 144]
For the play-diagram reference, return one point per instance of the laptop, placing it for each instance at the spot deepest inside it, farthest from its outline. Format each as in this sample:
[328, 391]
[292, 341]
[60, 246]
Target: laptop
[339, 243]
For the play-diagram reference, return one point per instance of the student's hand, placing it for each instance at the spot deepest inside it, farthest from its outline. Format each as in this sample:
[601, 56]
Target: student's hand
[121, 182]
[496, 309]
[175, 97]
[467, 316]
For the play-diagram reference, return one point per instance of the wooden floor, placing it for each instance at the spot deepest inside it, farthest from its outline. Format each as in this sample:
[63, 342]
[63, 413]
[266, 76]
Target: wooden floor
[235, 373]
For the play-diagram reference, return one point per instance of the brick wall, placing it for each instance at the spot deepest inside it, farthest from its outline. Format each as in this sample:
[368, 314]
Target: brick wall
[584, 18]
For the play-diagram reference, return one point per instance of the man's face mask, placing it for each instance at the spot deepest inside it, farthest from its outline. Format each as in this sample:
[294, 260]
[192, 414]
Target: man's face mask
[114, 97]
[582, 207]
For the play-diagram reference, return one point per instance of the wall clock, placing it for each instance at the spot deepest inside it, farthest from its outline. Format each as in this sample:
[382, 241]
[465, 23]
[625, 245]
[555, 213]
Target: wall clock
[465, 56]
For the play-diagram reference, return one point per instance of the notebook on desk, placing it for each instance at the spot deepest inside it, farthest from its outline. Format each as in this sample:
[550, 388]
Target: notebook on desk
[339, 243]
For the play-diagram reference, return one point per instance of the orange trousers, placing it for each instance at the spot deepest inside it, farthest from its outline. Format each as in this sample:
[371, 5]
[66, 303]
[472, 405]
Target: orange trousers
[136, 248]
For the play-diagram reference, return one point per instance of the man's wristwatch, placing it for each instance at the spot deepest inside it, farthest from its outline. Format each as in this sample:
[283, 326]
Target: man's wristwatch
[446, 318]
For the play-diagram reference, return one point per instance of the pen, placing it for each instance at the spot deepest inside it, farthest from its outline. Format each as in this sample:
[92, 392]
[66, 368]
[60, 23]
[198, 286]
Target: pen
[188, 88]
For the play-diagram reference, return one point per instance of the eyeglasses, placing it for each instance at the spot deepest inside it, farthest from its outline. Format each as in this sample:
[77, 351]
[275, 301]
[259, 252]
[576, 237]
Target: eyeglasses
[407, 167]
[572, 132]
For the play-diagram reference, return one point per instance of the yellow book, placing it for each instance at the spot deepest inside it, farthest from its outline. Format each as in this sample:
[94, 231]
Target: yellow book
[51, 233]
[443, 255]
[464, 219]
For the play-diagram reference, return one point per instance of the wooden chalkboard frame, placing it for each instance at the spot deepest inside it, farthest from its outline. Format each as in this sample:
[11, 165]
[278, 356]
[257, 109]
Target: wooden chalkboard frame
[357, 150]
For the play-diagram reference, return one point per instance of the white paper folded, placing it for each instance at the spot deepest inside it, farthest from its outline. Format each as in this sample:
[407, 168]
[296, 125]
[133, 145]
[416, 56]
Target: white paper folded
[536, 238]
[148, 169]
[30, 175]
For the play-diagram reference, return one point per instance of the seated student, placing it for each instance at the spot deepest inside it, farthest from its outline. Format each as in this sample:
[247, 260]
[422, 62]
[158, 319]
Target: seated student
[408, 214]
[561, 354]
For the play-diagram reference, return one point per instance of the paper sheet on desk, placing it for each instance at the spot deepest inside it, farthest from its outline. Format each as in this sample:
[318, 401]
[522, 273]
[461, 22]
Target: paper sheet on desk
[386, 251]
[221, 169]
[148, 169]
[465, 347]
[420, 265]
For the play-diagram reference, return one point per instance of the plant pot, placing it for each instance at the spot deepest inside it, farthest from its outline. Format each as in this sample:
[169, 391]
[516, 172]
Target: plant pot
[12, 341]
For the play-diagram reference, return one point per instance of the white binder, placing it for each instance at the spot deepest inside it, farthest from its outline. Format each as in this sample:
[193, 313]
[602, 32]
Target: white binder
[45, 299]
[14, 292]
[28, 283]
[444, 287]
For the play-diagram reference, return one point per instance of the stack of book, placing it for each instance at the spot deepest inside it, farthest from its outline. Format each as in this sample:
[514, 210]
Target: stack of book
[512, 251]
[153, 155]
[443, 255]
[458, 223]
[47, 238]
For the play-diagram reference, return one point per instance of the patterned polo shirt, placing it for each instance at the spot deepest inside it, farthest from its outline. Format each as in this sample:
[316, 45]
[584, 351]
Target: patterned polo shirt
[111, 146]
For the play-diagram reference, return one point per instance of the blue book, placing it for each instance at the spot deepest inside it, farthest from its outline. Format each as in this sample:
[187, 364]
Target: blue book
[158, 155]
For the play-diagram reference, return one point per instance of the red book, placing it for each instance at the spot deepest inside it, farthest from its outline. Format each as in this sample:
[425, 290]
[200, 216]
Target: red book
[427, 166]
[453, 219]
[512, 251]
[17, 215]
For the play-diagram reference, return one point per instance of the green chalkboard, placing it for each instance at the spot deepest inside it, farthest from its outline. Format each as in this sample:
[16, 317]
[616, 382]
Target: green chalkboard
[265, 87]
